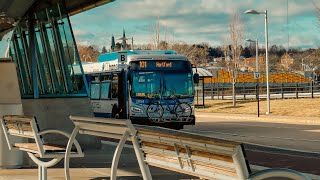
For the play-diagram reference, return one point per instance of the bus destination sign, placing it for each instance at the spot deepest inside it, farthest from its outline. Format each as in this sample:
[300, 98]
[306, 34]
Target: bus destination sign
[164, 64]
[157, 64]
[160, 65]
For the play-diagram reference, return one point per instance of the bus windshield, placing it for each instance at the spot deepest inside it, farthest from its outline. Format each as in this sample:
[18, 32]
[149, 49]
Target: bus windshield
[146, 84]
[177, 85]
[165, 84]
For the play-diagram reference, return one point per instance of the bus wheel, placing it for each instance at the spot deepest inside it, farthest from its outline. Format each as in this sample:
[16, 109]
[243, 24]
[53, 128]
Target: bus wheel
[176, 126]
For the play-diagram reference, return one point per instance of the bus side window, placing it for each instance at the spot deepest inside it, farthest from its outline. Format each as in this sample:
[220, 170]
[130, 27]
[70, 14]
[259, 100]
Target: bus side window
[106, 90]
[95, 91]
[115, 86]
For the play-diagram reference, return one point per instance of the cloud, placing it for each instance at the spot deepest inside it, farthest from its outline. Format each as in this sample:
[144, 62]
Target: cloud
[194, 21]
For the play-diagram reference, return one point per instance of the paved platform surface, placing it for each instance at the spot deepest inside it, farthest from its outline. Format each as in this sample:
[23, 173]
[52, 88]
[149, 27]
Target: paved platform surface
[96, 163]
[94, 166]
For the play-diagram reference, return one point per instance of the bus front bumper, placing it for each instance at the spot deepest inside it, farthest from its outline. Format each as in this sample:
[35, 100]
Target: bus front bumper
[146, 121]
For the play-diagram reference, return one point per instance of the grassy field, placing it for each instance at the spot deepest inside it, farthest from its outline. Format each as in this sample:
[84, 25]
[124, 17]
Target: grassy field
[286, 107]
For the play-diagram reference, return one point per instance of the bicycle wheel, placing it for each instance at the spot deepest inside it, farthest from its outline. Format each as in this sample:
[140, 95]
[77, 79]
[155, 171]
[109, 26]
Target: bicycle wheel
[155, 111]
[183, 110]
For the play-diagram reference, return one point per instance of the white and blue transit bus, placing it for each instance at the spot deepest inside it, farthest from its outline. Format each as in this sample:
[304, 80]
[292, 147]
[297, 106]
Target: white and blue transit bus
[160, 87]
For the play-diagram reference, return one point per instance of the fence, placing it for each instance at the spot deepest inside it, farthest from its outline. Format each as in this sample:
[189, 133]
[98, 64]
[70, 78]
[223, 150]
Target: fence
[249, 90]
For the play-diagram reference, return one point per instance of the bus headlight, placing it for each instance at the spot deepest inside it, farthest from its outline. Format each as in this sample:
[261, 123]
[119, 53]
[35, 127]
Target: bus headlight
[188, 109]
[136, 110]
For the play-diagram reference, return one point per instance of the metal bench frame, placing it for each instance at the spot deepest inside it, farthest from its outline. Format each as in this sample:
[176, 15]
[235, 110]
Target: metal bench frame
[178, 149]
[110, 128]
[20, 124]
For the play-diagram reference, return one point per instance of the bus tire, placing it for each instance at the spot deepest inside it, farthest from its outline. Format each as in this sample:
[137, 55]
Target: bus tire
[175, 126]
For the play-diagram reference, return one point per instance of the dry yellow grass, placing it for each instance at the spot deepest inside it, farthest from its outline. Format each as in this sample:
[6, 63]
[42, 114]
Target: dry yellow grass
[285, 107]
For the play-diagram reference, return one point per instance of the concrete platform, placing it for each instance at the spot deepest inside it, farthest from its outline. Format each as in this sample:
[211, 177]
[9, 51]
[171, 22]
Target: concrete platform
[94, 166]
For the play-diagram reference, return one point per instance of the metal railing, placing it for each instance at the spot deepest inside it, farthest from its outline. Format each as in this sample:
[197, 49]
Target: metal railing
[249, 90]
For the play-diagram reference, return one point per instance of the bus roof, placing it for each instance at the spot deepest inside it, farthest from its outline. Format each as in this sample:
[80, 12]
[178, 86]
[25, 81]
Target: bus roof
[109, 62]
[114, 55]
[138, 57]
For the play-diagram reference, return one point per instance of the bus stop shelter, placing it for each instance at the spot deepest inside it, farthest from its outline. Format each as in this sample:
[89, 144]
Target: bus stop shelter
[200, 87]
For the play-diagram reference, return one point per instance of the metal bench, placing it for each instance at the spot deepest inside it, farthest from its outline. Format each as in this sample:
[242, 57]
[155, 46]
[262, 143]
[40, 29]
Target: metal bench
[110, 128]
[26, 126]
[188, 153]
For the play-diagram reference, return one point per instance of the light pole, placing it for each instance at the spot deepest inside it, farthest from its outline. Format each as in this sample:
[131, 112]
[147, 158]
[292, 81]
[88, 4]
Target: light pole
[257, 58]
[267, 57]
[257, 71]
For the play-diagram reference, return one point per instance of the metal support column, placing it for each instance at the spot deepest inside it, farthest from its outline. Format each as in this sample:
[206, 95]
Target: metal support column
[33, 56]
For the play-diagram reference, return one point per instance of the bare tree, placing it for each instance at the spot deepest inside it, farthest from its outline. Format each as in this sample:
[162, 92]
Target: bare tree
[88, 53]
[236, 30]
[197, 54]
[155, 35]
[317, 11]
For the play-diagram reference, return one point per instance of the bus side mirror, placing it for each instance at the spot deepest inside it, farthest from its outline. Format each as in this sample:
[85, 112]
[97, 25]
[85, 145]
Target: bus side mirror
[196, 78]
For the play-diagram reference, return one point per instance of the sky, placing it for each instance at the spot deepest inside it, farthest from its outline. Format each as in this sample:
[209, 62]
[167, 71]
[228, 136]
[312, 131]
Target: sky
[197, 21]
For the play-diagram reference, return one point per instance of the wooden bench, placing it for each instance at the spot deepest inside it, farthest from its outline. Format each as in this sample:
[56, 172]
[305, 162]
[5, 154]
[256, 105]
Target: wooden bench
[26, 127]
[188, 153]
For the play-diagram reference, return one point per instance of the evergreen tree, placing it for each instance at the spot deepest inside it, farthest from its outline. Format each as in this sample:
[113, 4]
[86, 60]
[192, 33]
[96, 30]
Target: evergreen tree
[104, 50]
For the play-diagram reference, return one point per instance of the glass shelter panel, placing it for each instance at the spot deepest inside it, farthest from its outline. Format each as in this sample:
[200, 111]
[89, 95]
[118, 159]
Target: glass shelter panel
[53, 55]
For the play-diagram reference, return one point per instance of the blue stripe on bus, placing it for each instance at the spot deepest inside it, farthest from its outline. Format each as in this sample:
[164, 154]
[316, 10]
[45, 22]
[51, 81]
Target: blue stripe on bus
[99, 114]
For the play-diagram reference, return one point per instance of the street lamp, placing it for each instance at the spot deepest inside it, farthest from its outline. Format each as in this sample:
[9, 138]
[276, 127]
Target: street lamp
[257, 71]
[267, 59]
[257, 58]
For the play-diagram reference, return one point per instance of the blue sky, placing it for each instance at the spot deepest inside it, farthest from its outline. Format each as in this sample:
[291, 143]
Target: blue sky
[197, 21]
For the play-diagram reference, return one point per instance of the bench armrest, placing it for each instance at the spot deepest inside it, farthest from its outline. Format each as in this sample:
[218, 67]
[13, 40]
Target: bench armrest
[55, 131]
[278, 172]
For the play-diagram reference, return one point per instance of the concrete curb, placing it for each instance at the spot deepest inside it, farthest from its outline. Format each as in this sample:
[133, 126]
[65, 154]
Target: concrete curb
[260, 168]
[262, 118]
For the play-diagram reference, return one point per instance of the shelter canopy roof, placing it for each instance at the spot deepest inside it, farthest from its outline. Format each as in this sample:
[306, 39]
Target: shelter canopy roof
[203, 73]
[11, 11]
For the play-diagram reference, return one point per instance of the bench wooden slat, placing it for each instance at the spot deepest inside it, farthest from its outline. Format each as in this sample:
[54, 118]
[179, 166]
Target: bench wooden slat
[162, 132]
[200, 146]
[203, 153]
[17, 117]
[26, 134]
[211, 160]
[19, 125]
[101, 134]
[23, 128]
[47, 147]
[99, 120]
[207, 162]
[199, 171]
[198, 165]
[99, 127]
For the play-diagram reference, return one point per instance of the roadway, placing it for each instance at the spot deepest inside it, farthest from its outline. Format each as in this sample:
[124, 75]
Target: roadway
[292, 144]
[301, 137]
